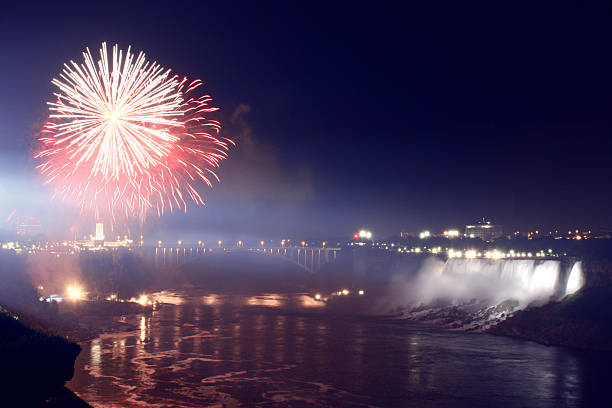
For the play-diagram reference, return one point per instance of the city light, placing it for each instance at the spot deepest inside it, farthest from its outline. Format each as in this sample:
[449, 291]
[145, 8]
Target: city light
[75, 292]
[318, 296]
[143, 300]
[363, 234]
[361, 292]
[451, 233]
[452, 253]
[424, 234]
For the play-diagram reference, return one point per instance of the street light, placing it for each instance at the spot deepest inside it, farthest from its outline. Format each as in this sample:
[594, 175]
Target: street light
[303, 243]
[324, 243]
[219, 242]
[159, 243]
[261, 243]
[180, 242]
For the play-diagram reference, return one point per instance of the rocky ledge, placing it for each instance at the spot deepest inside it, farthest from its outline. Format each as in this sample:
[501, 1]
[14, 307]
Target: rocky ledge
[35, 366]
[582, 320]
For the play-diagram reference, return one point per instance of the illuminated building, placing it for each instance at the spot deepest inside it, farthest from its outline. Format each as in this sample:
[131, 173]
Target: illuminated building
[99, 238]
[362, 235]
[483, 230]
[27, 226]
[451, 233]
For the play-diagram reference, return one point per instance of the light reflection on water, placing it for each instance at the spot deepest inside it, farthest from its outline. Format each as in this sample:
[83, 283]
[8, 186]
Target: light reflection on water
[267, 350]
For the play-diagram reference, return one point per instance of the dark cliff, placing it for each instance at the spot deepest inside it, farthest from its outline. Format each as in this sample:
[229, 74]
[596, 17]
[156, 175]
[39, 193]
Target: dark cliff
[581, 320]
[34, 366]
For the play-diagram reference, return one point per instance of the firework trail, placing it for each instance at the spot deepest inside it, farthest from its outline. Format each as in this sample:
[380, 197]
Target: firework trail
[127, 138]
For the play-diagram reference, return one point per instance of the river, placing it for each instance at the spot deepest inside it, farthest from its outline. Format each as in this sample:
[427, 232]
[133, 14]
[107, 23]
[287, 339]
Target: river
[288, 350]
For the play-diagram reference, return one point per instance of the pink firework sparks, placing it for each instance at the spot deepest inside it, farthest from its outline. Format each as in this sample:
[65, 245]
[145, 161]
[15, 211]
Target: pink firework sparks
[127, 139]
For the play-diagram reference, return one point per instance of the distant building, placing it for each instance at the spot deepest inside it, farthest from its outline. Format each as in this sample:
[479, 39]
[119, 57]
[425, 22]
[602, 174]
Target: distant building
[404, 234]
[484, 230]
[28, 227]
[451, 233]
[99, 237]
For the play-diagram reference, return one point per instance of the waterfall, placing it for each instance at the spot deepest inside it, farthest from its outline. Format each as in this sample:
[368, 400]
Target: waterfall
[523, 280]
[473, 294]
[575, 280]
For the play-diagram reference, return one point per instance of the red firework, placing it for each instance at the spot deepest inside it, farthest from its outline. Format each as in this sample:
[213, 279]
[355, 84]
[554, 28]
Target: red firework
[127, 139]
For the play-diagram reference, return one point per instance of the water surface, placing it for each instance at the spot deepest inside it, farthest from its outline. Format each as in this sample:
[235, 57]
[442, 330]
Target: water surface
[288, 350]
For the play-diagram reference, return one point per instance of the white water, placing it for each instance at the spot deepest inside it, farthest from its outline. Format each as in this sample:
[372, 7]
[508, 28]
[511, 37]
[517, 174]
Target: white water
[575, 280]
[490, 280]
[472, 293]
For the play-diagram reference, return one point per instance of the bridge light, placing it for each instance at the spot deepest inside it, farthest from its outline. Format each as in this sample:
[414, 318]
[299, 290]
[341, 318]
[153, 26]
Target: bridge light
[324, 243]
[180, 242]
[159, 242]
[303, 243]
[361, 292]
[239, 243]
[283, 243]
[261, 243]
[318, 296]
[200, 243]
[219, 243]
[345, 292]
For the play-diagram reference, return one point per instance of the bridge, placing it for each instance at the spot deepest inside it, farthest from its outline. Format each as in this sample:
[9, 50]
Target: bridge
[309, 258]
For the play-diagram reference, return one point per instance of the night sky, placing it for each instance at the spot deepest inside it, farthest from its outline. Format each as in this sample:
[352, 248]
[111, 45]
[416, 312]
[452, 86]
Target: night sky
[346, 116]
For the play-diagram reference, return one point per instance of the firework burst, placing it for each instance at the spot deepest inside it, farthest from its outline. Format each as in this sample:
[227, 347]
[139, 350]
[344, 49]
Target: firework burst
[126, 138]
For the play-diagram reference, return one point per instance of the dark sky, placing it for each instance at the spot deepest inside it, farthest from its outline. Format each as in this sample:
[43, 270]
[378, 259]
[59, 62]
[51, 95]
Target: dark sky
[345, 116]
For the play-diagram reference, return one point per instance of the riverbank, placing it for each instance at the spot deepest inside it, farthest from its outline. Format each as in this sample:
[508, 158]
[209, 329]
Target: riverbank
[582, 320]
[35, 365]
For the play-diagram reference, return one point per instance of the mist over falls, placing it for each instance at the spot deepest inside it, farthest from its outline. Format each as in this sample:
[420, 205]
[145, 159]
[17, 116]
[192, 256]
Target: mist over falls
[523, 280]
[474, 293]
[457, 292]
